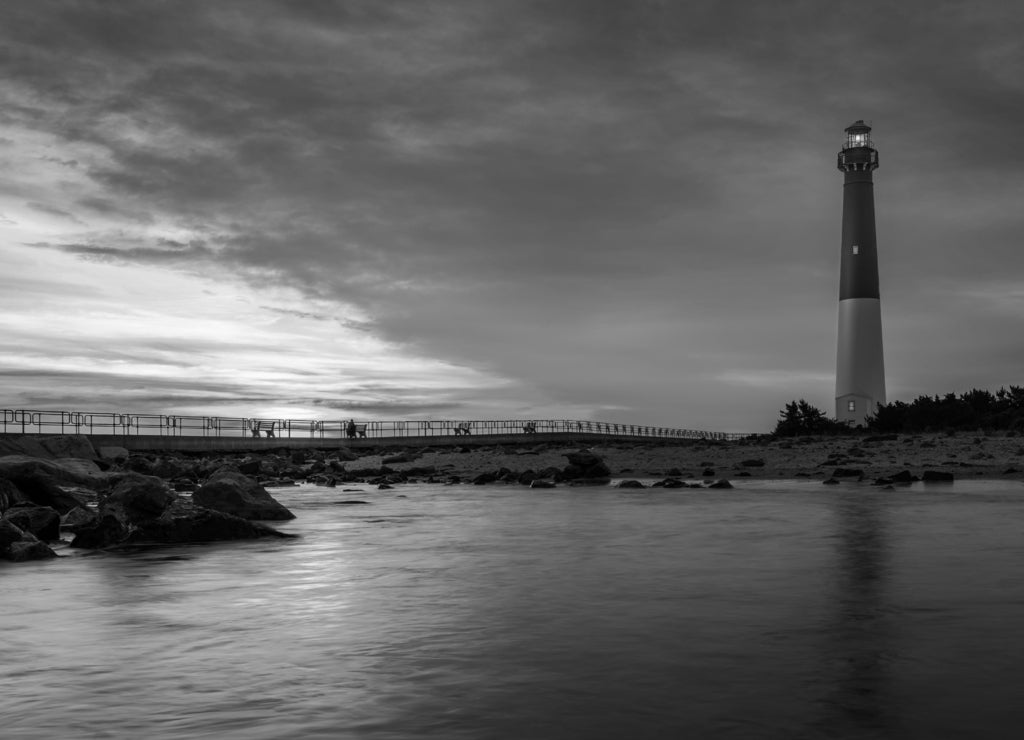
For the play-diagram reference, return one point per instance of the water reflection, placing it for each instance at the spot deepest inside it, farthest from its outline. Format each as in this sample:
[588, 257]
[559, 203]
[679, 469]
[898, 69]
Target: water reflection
[860, 647]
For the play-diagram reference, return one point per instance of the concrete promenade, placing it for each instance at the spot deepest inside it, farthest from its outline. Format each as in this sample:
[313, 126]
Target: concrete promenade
[199, 443]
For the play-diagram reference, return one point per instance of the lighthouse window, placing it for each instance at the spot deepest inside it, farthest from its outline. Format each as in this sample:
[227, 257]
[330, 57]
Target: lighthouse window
[851, 405]
[856, 249]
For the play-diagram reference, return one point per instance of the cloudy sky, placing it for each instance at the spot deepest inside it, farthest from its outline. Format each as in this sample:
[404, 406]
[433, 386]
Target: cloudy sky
[488, 209]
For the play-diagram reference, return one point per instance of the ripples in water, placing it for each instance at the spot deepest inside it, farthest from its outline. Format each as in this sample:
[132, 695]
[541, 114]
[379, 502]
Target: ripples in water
[772, 610]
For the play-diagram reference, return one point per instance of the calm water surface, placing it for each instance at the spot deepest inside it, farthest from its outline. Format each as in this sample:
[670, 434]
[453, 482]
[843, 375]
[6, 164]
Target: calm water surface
[779, 609]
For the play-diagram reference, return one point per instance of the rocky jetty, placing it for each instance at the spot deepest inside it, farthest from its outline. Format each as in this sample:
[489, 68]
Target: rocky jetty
[103, 500]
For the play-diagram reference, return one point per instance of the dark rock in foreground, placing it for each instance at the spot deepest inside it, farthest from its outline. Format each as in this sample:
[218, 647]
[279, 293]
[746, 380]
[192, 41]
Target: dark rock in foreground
[41, 521]
[232, 492]
[192, 524]
[19, 546]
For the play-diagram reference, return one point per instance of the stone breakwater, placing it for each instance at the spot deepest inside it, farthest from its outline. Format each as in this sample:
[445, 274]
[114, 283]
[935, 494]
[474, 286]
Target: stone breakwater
[59, 487]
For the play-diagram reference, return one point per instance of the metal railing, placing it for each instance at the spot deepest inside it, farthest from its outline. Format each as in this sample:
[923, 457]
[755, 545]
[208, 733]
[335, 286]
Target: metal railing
[23, 421]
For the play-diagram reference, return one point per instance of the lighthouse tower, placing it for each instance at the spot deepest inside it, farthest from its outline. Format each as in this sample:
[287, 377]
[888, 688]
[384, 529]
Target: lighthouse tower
[860, 370]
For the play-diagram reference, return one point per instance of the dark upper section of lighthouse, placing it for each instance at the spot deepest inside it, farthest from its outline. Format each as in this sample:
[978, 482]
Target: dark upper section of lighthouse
[858, 153]
[858, 271]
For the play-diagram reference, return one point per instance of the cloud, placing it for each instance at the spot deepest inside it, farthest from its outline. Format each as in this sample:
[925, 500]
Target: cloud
[613, 208]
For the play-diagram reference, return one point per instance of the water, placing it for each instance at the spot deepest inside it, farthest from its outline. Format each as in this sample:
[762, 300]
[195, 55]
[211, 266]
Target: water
[779, 609]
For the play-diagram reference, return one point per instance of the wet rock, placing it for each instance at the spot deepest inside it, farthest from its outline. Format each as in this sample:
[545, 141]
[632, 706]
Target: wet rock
[673, 483]
[102, 532]
[11, 495]
[590, 481]
[848, 473]
[183, 523]
[542, 484]
[937, 476]
[830, 482]
[249, 467]
[41, 521]
[904, 476]
[708, 472]
[137, 498]
[582, 459]
[237, 494]
[754, 463]
[484, 478]
[43, 489]
[19, 546]
[722, 483]
[597, 470]
[77, 518]
[630, 484]
[526, 477]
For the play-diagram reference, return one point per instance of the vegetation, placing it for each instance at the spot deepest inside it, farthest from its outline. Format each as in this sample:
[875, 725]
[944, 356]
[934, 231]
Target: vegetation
[800, 418]
[975, 409]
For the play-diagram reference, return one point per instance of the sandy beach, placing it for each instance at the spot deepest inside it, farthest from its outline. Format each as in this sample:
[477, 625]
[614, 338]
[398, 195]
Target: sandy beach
[964, 455]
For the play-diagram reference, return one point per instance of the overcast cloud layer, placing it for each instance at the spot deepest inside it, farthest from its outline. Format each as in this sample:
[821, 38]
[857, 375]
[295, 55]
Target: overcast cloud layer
[624, 211]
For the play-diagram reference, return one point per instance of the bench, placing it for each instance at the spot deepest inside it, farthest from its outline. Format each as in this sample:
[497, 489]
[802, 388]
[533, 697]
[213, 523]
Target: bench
[355, 430]
[258, 425]
[462, 427]
[530, 427]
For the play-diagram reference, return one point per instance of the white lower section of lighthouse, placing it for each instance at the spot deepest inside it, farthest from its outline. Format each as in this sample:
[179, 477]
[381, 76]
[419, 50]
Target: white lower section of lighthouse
[860, 369]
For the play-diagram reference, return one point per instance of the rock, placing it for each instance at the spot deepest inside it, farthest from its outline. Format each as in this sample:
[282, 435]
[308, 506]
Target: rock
[708, 472]
[170, 468]
[590, 481]
[41, 521]
[249, 467]
[582, 459]
[571, 472]
[597, 470]
[136, 499]
[882, 438]
[237, 494]
[722, 483]
[847, 473]
[904, 476]
[11, 495]
[298, 457]
[830, 482]
[937, 476]
[102, 532]
[673, 483]
[402, 457]
[77, 518]
[758, 463]
[630, 484]
[41, 488]
[526, 477]
[674, 472]
[542, 484]
[485, 478]
[182, 523]
[19, 546]
[114, 454]
[65, 470]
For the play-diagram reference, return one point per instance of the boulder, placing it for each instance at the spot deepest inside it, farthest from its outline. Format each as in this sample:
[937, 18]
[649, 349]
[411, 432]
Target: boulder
[43, 489]
[19, 546]
[630, 484]
[904, 476]
[582, 459]
[77, 518]
[11, 495]
[249, 467]
[136, 498]
[234, 493]
[113, 454]
[101, 532]
[597, 470]
[185, 523]
[847, 473]
[937, 476]
[170, 468]
[41, 521]
[65, 470]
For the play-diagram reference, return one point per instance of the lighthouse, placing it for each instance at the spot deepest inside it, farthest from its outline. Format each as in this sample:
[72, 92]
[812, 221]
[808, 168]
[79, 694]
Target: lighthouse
[860, 370]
